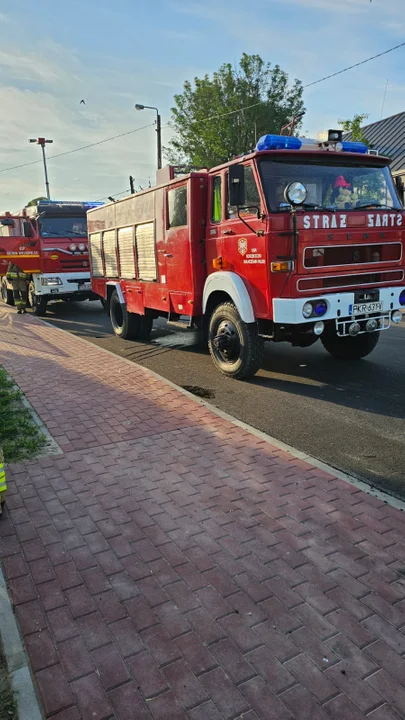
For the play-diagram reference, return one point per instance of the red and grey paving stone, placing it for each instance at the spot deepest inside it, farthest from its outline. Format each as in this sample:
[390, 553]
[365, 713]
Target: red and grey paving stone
[169, 564]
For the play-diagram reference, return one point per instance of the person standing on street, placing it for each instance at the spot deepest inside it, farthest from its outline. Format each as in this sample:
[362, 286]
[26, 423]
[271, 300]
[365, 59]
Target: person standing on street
[18, 280]
[3, 486]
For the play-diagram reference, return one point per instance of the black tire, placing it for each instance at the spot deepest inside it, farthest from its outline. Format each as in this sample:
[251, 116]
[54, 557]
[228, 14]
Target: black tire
[126, 325]
[349, 348]
[38, 303]
[6, 293]
[242, 354]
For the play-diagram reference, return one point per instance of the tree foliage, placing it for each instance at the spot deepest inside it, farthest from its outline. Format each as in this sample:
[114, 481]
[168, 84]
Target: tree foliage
[207, 128]
[354, 126]
[35, 200]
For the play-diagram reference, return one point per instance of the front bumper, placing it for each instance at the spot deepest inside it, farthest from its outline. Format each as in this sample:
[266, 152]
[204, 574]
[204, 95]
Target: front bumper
[288, 311]
[72, 283]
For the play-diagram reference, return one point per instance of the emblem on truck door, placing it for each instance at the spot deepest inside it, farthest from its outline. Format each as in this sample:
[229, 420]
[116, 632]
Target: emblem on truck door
[242, 246]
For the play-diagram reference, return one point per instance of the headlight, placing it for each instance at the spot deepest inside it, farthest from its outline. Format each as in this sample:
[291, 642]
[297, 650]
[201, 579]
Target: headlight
[82, 247]
[396, 316]
[295, 193]
[72, 247]
[51, 281]
[314, 308]
[307, 310]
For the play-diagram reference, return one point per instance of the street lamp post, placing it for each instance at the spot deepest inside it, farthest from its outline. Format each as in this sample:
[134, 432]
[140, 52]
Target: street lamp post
[158, 130]
[41, 141]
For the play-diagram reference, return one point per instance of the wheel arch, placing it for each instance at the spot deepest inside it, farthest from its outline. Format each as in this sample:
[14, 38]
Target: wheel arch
[110, 287]
[223, 286]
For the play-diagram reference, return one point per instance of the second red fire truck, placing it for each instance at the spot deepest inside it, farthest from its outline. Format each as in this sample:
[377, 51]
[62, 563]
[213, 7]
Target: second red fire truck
[48, 241]
[296, 241]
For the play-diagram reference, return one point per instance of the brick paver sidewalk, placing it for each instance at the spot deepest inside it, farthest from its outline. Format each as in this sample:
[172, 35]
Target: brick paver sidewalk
[172, 565]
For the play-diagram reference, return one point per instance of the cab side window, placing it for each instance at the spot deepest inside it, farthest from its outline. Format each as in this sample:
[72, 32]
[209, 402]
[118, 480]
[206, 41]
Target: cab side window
[251, 196]
[216, 199]
[177, 204]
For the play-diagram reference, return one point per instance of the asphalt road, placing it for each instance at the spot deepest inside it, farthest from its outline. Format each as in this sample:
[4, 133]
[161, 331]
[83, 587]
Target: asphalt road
[348, 414]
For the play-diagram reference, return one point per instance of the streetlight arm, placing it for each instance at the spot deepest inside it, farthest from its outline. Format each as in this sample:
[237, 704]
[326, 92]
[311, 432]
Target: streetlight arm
[145, 107]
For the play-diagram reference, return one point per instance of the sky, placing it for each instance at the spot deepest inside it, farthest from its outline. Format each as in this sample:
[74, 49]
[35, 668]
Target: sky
[115, 54]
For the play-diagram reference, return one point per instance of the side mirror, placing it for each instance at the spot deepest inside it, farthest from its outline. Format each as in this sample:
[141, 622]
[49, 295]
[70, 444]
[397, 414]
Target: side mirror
[8, 222]
[236, 186]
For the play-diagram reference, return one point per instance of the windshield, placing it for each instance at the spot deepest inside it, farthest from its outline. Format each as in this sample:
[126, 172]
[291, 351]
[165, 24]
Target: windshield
[70, 226]
[330, 186]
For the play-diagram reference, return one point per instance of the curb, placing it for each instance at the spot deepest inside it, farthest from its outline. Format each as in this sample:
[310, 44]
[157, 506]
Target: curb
[21, 681]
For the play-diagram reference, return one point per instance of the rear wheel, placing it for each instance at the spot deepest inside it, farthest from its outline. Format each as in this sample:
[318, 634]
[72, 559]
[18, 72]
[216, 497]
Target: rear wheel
[235, 346]
[37, 302]
[6, 293]
[349, 348]
[126, 325]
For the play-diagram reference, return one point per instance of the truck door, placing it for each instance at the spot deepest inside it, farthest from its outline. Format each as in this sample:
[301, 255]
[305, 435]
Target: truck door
[243, 242]
[176, 248]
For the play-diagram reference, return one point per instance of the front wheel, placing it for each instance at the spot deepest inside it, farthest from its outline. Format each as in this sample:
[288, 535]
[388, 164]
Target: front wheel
[38, 303]
[349, 348]
[235, 346]
[6, 293]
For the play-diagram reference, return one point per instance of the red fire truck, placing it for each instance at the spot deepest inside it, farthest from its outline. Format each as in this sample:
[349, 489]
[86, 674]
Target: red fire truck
[296, 241]
[48, 241]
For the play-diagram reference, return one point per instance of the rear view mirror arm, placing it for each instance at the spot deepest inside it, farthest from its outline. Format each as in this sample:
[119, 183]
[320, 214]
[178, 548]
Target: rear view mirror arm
[256, 232]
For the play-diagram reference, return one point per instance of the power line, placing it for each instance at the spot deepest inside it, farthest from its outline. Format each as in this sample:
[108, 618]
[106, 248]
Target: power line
[84, 147]
[315, 82]
[114, 195]
[362, 62]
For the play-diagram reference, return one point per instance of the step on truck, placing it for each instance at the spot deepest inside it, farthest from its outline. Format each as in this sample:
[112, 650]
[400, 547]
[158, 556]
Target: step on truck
[299, 240]
[48, 241]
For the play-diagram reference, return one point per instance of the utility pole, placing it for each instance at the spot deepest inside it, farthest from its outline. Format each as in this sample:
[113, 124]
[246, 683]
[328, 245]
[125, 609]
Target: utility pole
[131, 184]
[42, 141]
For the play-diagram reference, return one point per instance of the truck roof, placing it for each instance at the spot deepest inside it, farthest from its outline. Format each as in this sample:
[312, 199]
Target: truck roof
[60, 207]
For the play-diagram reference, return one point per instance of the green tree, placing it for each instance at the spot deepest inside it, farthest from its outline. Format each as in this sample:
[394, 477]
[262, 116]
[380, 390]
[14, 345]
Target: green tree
[207, 128]
[35, 200]
[354, 126]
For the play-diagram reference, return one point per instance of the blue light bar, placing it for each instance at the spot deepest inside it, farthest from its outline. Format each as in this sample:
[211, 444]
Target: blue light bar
[278, 142]
[71, 203]
[355, 147]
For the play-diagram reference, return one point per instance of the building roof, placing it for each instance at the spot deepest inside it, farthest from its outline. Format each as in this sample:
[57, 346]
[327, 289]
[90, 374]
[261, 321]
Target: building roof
[388, 137]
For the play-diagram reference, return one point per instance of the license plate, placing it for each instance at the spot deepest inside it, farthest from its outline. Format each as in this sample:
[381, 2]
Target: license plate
[86, 286]
[366, 308]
